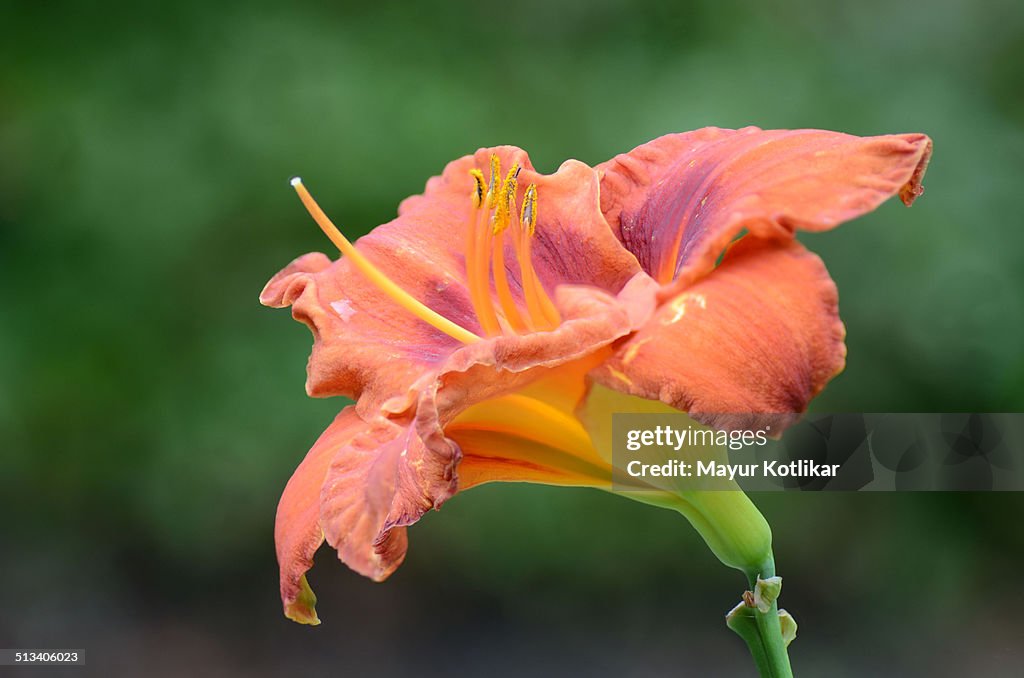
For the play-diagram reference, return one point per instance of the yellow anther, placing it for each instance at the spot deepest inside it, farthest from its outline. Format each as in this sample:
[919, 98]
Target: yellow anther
[510, 189]
[505, 202]
[479, 187]
[492, 185]
[528, 215]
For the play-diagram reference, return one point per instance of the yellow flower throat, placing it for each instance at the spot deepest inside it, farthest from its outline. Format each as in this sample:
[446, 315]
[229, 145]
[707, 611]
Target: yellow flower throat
[493, 208]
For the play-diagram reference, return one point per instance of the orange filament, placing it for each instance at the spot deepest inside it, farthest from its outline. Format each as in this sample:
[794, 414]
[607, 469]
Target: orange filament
[508, 304]
[542, 312]
[529, 279]
[375, 276]
[541, 308]
[478, 268]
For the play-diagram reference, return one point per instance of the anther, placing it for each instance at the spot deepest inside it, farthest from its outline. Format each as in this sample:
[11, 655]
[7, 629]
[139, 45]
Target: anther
[528, 215]
[479, 188]
[505, 204]
[492, 184]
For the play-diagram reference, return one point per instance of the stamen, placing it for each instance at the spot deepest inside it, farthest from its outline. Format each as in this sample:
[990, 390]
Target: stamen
[542, 311]
[508, 304]
[479, 247]
[375, 276]
[505, 207]
[477, 257]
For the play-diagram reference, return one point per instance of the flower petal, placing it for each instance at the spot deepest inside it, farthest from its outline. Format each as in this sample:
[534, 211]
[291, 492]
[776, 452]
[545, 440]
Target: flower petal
[297, 531]
[362, 343]
[748, 345]
[678, 201]
[380, 482]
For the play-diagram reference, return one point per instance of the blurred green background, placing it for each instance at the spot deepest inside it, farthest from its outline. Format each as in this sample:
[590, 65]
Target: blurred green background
[151, 411]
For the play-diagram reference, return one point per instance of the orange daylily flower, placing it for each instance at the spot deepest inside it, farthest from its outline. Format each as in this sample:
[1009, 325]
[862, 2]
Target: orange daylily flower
[470, 329]
[480, 308]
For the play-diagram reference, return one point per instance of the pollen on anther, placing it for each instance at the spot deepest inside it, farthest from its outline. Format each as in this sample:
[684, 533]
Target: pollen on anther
[492, 184]
[528, 215]
[479, 187]
[504, 203]
[295, 181]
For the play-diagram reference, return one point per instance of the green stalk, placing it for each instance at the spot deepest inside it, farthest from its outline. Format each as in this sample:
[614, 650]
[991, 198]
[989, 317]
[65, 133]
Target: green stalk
[742, 622]
[761, 631]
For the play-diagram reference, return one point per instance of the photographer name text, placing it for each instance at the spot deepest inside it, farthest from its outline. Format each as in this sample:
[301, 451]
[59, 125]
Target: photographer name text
[676, 468]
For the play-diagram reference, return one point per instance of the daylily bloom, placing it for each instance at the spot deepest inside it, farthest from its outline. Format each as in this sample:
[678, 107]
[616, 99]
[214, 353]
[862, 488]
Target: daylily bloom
[472, 328]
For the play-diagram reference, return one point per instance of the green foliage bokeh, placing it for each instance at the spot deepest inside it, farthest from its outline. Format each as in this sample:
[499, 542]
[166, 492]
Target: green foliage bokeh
[151, 410]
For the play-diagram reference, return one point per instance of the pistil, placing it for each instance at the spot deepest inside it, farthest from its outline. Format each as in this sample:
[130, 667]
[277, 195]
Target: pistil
[374, 274]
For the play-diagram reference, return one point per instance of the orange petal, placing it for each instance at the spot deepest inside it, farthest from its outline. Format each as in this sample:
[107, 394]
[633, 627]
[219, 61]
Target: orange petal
[297, 531]
[378, 484]
[678, 201]
[760, 335]
[362, 343]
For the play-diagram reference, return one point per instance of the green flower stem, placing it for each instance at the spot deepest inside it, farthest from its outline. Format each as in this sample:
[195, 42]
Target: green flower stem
[737, 533]
[762, 631]
[742, 622]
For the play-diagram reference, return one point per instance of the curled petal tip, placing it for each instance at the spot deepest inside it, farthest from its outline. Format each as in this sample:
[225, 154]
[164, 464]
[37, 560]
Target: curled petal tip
[910, 193]
[287, 285]
[913, 189]
[303, 608]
